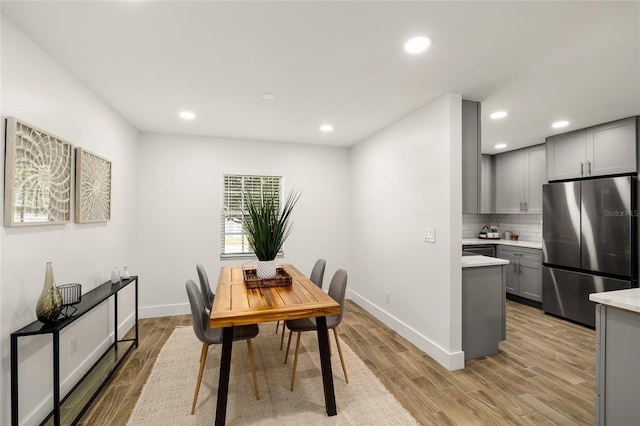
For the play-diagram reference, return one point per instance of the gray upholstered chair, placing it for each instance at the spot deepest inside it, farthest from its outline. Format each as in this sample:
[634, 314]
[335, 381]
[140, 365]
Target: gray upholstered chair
[317, 276]
[213, 336]
[338, 291]
[205, 288]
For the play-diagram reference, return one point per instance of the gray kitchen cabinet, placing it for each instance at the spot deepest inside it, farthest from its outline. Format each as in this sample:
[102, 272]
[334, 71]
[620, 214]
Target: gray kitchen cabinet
[617, 372]
[483, 310]
[487, 184]
[523, 274]
[566, 155]
[606, 149]
[611, 148]
[471, 164]
[520, 175]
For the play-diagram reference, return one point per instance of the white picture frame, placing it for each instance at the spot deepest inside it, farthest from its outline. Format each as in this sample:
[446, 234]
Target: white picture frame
[38, 176]
[93, 187]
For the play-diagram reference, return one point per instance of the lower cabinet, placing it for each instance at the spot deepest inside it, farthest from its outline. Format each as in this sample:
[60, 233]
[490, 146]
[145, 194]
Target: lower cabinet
[617, 374]
[483, 310]
[524, 272]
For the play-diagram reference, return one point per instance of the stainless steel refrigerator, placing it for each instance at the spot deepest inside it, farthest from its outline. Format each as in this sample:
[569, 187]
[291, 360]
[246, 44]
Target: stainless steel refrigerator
[589, 243]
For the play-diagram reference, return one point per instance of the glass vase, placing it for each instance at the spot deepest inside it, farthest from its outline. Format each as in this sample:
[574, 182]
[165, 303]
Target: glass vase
[50, 301]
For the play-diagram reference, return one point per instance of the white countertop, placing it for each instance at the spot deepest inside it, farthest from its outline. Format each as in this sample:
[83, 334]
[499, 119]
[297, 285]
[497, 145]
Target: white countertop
[478, 261]
[628, 299]
[527, 244]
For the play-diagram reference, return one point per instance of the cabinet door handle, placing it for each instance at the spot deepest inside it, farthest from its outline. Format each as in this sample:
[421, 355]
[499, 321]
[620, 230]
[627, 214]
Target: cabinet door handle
[589, 168]
[521, 209]
[581, 169]
[526, 207]
[519, 267]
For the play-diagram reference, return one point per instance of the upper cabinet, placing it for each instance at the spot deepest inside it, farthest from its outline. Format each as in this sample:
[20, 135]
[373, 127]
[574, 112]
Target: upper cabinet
[519, 177]
[607, 149]
[487, 184]
[471, 174]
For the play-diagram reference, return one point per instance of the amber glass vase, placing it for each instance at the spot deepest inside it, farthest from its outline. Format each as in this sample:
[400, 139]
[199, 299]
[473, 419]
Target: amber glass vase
[50, 301]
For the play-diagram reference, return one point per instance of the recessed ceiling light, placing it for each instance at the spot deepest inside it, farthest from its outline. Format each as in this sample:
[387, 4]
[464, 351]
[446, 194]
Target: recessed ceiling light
[268, 96]
[187, 115]
[326, 128]
[501, 146]
[498, 114]
[560, 124]
[417, 44]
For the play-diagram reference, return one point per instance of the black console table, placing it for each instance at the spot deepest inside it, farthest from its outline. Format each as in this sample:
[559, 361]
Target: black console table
[75, 403]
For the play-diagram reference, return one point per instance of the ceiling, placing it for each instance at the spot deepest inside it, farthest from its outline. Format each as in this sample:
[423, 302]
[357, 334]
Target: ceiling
[343, 63]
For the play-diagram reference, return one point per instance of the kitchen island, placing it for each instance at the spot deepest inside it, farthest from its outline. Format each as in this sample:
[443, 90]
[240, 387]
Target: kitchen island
[617, 357]
[483, 305]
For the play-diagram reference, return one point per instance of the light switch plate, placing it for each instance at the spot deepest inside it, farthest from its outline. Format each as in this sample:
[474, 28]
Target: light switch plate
[430, 236]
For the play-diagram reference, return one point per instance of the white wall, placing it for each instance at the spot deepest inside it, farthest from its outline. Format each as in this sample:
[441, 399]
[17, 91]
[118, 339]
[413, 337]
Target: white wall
[40, 92]
[180, 207]
[404, 180]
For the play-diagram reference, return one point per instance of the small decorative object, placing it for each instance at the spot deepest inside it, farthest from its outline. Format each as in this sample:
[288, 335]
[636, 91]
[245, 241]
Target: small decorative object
[50, 301]
[38, 169]
[71, 295]
[267, 227]
[125, 273]
[251, 279]
[115, 275]
[93, 187]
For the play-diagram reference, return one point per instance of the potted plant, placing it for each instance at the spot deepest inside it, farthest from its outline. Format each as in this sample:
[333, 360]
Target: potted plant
[267, 226]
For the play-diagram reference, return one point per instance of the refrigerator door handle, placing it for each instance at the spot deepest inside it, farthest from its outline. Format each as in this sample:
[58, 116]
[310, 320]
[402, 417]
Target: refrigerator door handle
[526, 207]
[581, 169]
[588, 168]
[521, 209]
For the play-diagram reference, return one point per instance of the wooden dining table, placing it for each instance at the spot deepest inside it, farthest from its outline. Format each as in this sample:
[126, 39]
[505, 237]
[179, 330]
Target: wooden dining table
[236, 305]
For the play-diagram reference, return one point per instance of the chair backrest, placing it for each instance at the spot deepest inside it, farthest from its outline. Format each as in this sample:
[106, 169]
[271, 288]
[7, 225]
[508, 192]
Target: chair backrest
[205, 288]
[199, 316]
[338, 291]
[317, 273]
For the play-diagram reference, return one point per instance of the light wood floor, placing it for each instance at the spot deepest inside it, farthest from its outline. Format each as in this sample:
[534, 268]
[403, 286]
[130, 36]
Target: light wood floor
[544, 373]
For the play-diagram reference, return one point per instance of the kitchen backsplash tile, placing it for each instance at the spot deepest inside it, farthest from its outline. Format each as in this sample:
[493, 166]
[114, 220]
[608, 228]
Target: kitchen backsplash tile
[528, 227]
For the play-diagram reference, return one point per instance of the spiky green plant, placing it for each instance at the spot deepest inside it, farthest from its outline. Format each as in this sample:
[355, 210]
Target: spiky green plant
[266, 224]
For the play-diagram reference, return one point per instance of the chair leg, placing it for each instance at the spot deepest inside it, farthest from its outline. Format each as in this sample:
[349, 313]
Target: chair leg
[344, 369]
[282, 338]
[253, 369]
[278, 325]
[286, 356]
[295, 361]
[203, 360]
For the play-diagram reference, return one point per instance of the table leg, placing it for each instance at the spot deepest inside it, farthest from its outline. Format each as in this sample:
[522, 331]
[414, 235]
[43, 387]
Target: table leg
[325, 363]
[223, 383]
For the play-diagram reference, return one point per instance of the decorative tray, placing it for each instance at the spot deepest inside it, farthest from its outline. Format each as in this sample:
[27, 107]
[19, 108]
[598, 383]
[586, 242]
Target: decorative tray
[251, 280]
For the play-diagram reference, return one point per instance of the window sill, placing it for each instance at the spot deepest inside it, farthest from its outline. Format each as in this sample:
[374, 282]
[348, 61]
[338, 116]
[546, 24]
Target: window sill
[245, 256]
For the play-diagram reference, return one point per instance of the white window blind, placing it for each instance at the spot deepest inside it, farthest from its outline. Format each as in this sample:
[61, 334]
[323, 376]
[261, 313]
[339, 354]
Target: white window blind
[234, 239]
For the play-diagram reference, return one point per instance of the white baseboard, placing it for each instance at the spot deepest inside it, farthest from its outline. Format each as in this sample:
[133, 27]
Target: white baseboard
[449, 360]
[164, 310]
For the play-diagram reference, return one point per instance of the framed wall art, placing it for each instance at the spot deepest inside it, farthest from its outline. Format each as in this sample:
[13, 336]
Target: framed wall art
[93, 187]
[38, 167]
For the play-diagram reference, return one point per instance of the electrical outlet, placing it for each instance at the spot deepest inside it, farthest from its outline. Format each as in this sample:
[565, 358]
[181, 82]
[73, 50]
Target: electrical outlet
[74, 345]
[388, 296]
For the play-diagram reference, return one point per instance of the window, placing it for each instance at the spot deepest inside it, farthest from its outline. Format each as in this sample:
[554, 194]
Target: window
[234, 239]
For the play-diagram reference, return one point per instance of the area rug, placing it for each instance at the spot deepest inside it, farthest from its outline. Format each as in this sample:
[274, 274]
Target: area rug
[167, 396]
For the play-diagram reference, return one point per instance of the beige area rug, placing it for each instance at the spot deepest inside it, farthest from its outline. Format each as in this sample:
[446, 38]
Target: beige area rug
[166, 397]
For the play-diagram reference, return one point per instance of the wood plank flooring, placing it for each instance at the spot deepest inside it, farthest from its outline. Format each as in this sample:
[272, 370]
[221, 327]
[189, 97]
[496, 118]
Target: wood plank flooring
[543, 375]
